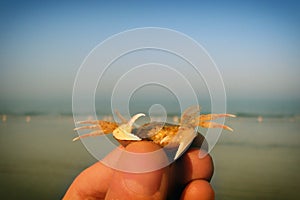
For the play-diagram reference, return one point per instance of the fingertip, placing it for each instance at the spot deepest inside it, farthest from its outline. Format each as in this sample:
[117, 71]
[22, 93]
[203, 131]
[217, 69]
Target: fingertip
[198, 189]
[142, 147]
[194, 167]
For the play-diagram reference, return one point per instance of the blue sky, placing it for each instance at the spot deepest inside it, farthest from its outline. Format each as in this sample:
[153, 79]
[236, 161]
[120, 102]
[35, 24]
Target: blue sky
[255, 44]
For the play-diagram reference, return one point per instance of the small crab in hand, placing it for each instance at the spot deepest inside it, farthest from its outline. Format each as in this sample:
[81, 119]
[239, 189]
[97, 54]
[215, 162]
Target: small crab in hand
[166, 135]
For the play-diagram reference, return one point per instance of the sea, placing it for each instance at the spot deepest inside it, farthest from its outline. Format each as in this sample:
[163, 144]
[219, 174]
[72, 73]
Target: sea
[259, 160]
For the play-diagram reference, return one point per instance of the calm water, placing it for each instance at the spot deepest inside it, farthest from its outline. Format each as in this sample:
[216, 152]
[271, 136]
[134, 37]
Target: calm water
[257, 161]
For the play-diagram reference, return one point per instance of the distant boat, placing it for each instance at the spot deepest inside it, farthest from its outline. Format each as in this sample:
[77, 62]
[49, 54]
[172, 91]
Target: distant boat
[28, 119]
[176, 119]
[4, 118]
[260, 119]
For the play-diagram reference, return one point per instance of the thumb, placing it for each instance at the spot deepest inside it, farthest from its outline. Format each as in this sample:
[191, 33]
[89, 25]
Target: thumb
[145, 185]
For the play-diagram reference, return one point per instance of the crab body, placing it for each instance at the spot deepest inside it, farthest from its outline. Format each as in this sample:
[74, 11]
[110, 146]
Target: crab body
[164, 134]
[158, 132]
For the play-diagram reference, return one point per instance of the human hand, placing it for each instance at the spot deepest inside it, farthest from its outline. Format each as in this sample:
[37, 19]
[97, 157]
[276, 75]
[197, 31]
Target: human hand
[186, 178]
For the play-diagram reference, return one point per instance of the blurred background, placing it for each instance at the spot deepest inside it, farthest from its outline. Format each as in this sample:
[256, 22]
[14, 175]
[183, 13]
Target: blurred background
[255, 45]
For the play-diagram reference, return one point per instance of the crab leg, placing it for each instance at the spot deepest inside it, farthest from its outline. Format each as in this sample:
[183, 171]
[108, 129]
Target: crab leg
[204, 121]
[88, 122]
[94, 133]
[189, 116]
[214, 116]
[123, 119]
[215, 125]
[101, 127]
[87, 127]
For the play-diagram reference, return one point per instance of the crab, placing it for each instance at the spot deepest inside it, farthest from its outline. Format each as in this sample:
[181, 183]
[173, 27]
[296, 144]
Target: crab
[166, 135]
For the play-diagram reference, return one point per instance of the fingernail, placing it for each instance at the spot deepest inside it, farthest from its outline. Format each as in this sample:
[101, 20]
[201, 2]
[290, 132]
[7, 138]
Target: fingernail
[143, 183]
[202, 154]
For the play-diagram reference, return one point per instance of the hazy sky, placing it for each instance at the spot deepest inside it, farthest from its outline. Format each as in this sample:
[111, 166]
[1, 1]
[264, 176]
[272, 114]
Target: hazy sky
[255, 44]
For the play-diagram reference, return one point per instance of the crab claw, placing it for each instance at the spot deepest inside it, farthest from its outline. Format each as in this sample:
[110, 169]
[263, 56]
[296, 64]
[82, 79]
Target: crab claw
[123, 132]
[204, 121]
[186, 132]
[185, 138]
